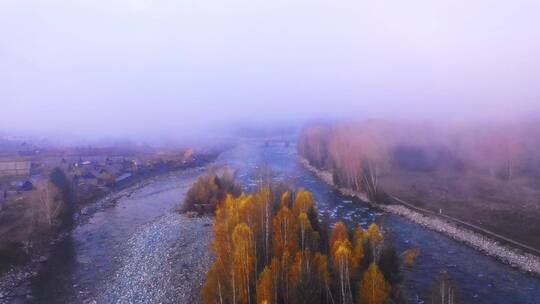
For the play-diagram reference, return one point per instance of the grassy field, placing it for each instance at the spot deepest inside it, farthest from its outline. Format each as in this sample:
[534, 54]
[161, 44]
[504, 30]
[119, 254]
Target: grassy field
[510, 208]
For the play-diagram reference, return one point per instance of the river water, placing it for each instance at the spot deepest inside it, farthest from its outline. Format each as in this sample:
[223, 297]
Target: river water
[479, 279]
[83, 263]
[81, 266]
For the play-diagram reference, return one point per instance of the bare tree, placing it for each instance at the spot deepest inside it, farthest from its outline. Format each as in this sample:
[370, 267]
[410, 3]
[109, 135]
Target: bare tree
[49, 203]
[443, 290]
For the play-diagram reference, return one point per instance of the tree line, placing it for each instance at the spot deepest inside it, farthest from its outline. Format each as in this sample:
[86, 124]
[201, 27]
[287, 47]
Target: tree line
[271, 247]
[359, 153]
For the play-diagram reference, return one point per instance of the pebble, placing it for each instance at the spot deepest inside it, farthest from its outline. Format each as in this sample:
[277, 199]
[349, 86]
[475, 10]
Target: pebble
[165, 262]
[511, 256]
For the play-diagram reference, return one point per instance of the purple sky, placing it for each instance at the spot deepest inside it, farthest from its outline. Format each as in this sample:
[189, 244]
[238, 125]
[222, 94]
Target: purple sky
[132, 67]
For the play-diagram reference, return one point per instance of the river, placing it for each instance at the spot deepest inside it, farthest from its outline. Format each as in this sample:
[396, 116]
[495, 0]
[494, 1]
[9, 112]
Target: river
[479, 278]
[83, 264]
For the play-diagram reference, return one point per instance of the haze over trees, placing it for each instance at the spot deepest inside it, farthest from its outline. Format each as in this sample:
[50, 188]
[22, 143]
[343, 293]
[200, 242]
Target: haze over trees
[270, 247]
[504, 151]
[487, 167]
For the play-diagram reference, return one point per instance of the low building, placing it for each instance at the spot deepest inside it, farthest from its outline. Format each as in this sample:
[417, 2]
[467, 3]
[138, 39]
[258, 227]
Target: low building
[14, 168]
[88, 179]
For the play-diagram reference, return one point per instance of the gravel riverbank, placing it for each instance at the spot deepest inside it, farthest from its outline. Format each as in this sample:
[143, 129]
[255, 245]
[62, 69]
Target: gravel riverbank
[514, 257]
[164, 262]
[15, 283]
[173, 238]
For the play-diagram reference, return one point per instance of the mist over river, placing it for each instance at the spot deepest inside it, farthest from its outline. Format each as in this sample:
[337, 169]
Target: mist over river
[83, 265]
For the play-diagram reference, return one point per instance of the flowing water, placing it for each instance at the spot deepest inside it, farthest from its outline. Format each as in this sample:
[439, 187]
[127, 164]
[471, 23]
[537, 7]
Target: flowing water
[85, 261]
[479, 278]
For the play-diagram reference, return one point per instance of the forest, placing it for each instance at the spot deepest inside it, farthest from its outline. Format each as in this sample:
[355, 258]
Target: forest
[271, 247]
[451, 168]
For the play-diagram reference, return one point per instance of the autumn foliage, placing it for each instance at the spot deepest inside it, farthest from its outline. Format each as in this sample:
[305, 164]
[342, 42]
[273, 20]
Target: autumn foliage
[210, 189]
[268, 249]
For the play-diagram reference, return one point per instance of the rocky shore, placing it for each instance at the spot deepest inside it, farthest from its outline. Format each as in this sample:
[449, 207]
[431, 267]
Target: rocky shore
[513, 257]
[506, 254]
[164, 262]
[15, 283]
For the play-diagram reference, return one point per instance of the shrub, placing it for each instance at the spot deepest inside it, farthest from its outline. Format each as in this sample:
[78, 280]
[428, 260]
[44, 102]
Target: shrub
[208, 190]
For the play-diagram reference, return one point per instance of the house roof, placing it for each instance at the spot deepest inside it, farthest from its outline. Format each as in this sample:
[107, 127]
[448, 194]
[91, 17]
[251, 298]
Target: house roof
[88, 175]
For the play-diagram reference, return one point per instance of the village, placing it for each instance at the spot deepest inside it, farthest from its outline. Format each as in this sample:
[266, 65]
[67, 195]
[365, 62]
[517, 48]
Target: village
[91, 170]
[31, 204]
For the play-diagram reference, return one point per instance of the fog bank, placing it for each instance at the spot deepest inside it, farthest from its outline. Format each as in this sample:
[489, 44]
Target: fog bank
[164, 69]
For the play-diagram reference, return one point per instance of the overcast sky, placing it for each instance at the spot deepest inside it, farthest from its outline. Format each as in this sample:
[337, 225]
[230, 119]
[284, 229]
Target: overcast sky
[131, 67]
